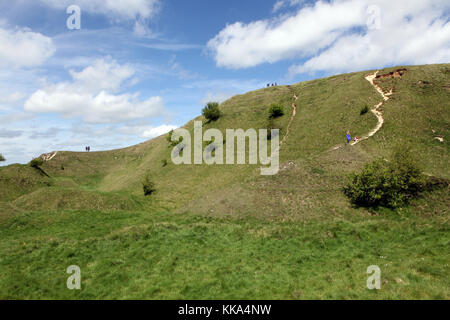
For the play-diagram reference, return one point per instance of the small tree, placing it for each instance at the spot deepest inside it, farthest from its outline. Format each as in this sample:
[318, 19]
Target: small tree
[211, 111]
[148, 186]
[2, 158]
[276, 111]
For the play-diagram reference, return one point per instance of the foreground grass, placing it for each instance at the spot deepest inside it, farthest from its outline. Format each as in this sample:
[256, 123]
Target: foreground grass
[139, 255]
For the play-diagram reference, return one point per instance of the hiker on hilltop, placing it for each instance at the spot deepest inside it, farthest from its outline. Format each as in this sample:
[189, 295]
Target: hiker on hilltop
[349, 137]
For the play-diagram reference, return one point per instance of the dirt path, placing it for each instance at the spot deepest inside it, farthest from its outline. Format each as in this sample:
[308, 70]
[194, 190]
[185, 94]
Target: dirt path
[376, 111]
[294, 112]
[49, 156]
[376, 108]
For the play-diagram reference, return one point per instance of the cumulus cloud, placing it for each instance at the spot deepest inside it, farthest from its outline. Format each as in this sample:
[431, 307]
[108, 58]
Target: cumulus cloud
[419, 35]
[92, 96]
[117, 9]
[340, 36]
[21, 47]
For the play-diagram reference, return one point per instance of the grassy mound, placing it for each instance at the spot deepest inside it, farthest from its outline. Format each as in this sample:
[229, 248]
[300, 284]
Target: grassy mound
[17, 180]
[56, 198]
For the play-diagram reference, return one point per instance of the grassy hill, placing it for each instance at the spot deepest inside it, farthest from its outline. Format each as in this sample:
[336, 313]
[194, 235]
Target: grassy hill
[225, 231]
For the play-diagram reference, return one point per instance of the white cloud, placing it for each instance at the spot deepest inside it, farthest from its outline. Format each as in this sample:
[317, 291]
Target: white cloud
[91, 96]
[417, 36]
[158, 131]
[312, 28]
[22, 47]
[102, 75]
[117, 9]
[145, 131]
[334, 36]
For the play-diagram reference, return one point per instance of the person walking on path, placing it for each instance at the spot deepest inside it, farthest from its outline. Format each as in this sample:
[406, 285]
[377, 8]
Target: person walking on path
[349, 137]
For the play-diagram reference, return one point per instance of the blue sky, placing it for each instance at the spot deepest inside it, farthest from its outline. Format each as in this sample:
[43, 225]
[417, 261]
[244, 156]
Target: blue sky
[138, 68]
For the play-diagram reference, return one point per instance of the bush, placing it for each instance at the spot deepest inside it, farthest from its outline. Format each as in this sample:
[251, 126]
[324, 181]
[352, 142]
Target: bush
[387, 183]
[173, 143]
[211, 111]
[169, 137]
[276, 111]
[148, 186]
[36, 163]
[164, 162]
[364, 110]
[2, 158]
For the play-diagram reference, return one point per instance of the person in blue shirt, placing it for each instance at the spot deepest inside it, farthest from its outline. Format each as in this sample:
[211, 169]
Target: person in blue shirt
[349, 137]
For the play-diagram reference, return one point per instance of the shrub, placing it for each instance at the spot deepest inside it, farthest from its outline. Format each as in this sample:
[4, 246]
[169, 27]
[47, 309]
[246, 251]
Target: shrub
[276, 111]
[387, 183]
[364, 110]
[211, 111]
[164, 162]
[148, 186]
[2, 158]
[169, 137]
[173, 143]
[36, 163]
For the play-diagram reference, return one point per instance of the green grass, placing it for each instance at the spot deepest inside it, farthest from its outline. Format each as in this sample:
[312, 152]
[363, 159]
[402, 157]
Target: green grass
[140, 255]
[227, 232]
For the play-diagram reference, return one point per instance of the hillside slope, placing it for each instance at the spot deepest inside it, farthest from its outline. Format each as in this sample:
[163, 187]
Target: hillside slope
[313, 160]
[225, 231]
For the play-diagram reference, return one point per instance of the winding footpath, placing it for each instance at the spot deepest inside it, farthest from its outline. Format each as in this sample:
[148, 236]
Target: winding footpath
[376, 108]
[294, 112]
[376, 111]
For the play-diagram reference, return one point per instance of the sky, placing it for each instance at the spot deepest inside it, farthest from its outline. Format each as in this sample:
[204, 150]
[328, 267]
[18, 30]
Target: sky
[135, 69]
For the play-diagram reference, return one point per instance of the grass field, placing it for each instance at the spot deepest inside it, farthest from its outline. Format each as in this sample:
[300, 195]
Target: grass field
[141, 255]
[226, 232]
